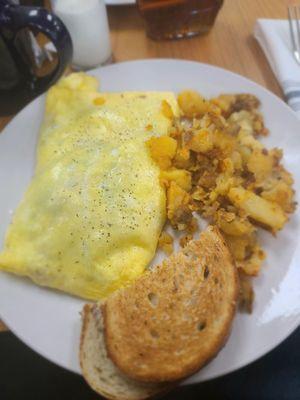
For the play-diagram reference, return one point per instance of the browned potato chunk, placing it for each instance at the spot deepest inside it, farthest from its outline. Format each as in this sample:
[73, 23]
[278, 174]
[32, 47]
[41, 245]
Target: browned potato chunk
[201, 141]
[176, 197]
[239, 246]
[233, 225]
[180, 176]
[252, 265]
[261, 210]
[261, 164]
[162, 150]
[192, 104]
[182, 158]
[282, 194]
[224, 142]
[178, 210]
[225, 101]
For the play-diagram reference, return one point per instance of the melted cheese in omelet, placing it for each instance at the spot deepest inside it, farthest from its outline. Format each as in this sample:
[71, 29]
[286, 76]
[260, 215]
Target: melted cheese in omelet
[90, 220]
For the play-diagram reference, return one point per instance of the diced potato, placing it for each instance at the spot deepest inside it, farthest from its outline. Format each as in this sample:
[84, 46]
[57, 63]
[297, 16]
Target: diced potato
[223, 184]
[201, 141]
[252, 265]
[282, 194]
[244, 119]
[192, 104]
[182, 158]
[285, 176]
[238, 246]
[249, 141]
[245, 153]
[176, 197]
[180, 176]
[232, 224]
[162, 150]
[208, 182]
[215, 110]
[224, 142]
[227, 166]
[224, 101]
[246, 101]
[199, 193]
[261, 210]
[237, 160]
[261, 164]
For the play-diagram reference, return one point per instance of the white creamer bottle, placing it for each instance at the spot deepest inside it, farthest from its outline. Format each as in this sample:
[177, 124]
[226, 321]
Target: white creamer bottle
[86, 20]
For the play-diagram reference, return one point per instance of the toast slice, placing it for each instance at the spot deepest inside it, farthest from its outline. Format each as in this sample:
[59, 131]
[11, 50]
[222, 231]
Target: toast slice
[99, 371]
[174, 319]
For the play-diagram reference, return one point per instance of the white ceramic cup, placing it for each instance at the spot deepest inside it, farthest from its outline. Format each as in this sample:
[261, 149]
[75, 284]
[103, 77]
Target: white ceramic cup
[88, 26]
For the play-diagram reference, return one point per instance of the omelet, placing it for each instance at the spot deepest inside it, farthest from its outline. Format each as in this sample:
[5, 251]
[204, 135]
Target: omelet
[91, 217]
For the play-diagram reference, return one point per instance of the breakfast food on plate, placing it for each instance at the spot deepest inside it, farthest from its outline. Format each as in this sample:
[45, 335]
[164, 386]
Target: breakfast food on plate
[112, 168]
[212, 164]
[165, 326]
[92, 215]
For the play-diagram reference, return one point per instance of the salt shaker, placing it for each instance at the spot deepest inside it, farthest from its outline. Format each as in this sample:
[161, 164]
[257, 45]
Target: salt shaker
[88, 26]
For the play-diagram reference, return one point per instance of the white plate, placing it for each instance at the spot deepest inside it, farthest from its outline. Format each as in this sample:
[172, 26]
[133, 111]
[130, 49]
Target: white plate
[119, 2]
[49, 321]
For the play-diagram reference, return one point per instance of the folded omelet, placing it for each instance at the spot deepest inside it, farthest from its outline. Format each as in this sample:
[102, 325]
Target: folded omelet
[91, 218]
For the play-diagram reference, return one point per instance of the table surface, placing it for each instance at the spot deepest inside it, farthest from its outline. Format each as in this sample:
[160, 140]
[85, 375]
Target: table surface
[230, 44]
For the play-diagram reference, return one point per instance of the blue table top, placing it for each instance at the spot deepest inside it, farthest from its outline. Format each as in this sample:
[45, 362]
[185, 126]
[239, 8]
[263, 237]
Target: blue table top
[24, 375]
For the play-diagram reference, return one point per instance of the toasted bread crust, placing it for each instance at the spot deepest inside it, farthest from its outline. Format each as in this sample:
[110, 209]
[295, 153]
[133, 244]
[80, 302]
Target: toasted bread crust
[98, 370]
[172, 321]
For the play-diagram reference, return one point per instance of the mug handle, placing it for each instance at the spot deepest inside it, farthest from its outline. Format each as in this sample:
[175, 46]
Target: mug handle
[15, 18]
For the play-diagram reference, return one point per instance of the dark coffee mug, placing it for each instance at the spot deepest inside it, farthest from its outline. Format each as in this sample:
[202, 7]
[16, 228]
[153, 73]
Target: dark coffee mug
[19, 82]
